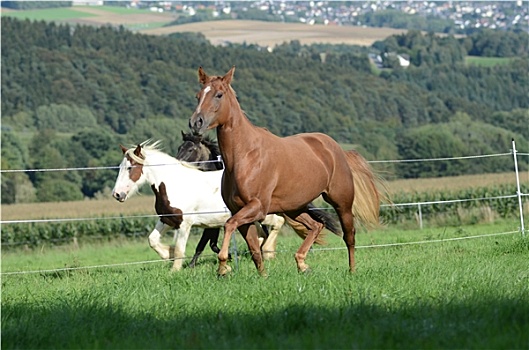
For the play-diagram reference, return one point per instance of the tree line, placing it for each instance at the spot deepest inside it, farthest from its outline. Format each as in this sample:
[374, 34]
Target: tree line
[72, 94]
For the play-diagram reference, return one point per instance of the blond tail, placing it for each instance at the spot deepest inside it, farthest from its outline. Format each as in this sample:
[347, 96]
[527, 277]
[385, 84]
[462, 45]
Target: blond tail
[368, 196]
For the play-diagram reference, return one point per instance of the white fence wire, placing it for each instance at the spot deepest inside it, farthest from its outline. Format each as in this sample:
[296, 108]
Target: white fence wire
[518, 195]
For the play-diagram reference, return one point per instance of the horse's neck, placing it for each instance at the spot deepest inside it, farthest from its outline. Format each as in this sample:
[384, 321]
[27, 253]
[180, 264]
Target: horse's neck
[159, 168]
[235, 136]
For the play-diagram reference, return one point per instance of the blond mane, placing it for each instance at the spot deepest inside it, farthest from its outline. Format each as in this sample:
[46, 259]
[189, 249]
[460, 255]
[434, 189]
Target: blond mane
[153, 146]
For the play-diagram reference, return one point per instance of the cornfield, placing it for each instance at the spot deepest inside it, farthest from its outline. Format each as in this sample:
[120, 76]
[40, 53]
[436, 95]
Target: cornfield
[471, 209]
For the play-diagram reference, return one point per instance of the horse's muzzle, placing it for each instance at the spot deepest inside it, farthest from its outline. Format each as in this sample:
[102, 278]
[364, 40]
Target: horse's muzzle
[119, 196]
[197, 124]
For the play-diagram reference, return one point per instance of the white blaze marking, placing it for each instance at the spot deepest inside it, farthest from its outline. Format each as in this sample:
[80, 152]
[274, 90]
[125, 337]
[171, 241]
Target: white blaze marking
[206, 90]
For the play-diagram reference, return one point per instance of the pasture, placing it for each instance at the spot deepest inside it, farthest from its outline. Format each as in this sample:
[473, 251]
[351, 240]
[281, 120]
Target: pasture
[487, 61]
[218, 32]
[273, 33]
[471, 293]
[100, 15]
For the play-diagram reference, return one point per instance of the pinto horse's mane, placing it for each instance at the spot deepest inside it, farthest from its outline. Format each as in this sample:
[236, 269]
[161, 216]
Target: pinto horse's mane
[147, 145]
[153, 147]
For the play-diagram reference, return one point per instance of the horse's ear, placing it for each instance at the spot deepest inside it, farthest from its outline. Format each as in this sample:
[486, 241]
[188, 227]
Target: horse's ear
[183, 134]
[123, 149]
[202, 76]
[228, 77]
[137, 151]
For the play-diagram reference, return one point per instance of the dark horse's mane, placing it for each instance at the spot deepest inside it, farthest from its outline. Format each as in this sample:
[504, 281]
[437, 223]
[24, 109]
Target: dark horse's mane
[207, 141]
[210, 143]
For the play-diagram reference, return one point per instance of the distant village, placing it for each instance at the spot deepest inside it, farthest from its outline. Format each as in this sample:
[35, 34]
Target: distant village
[464, 14]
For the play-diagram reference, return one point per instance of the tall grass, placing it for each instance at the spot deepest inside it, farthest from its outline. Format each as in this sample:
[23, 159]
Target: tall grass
[455, 294]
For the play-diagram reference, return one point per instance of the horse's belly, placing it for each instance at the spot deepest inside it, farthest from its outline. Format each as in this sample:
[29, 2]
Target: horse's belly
[207, 220]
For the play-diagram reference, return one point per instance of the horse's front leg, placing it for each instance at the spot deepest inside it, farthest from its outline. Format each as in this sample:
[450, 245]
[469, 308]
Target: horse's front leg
[243, 220]
[211, 235]
[180, 242]
[164, 251]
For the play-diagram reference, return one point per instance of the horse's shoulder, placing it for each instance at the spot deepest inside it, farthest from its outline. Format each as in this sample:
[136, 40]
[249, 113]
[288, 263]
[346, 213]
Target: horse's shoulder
[168, 215]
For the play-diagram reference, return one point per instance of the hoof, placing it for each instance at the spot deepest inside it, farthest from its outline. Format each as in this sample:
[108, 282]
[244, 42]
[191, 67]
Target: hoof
[269, 256]
[305, 270]
[176, 267]
[224, 270]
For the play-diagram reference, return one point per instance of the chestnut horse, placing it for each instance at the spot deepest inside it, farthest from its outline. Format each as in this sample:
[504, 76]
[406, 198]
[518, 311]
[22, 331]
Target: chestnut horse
[203, 152]
[266, 174]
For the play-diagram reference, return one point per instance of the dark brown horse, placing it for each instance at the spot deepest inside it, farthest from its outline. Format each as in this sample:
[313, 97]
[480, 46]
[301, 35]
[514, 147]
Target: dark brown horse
[265, 174]
[201, 150]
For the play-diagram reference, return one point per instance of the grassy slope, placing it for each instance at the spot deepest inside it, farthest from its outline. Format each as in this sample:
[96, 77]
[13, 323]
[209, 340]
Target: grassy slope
[441, 295]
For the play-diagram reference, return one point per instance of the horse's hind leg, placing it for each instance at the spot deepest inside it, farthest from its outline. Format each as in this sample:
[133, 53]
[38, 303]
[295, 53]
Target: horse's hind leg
[346, 217]
[313, 230]
[347, 222]
[268, 247]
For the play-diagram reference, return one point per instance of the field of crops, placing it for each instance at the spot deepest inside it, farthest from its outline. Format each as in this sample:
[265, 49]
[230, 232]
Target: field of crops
[218, 32]
[471, 293]
[145, 203]
[445, 204]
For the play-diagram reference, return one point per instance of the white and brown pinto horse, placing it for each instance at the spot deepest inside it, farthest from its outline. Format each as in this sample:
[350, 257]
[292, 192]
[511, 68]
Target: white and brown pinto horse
[185, 196]
[266, 174]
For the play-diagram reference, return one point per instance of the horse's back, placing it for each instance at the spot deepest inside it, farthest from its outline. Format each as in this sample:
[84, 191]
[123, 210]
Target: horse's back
[307, 164]
[196, 190]
[314, 149]
[317, 142]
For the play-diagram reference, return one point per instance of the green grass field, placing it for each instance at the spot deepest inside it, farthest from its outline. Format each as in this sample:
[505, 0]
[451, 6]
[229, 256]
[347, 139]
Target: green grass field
[120, 10]
[471, 293]
[53, 14]
[487, 61]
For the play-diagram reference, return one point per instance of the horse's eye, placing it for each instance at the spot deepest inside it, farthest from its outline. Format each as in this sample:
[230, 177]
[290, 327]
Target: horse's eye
[218, 94]
[129, 168]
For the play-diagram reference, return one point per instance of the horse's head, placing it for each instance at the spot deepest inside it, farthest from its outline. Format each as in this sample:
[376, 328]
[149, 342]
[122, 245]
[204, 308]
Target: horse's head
[130, 173]
[192, 150]
[200, 149]
[214, 101]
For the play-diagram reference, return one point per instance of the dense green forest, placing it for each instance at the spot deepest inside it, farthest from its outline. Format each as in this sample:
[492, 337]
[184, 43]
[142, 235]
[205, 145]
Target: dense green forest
[72, 94]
